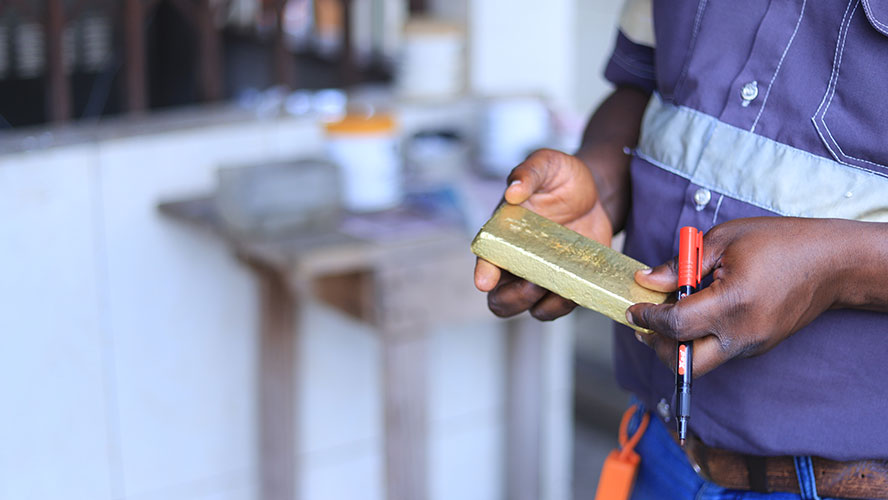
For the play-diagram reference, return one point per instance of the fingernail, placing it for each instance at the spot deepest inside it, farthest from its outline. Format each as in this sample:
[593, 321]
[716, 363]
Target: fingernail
[639, 337]
[516, 181]
[629, 318]
[646, 270]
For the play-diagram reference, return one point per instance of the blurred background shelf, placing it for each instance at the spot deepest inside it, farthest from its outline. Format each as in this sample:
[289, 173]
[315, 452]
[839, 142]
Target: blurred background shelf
[130, 360]
[403, 285]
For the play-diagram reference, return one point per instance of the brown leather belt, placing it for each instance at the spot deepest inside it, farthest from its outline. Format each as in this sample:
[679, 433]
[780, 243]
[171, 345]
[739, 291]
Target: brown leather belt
[860, 479]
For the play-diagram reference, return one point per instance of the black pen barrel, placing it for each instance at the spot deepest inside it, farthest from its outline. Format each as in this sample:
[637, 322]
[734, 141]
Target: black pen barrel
[684, 360]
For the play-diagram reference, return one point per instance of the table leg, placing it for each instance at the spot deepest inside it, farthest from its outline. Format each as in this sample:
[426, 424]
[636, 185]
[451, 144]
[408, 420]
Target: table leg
[524, 407]
[405, 377]
[277, 387]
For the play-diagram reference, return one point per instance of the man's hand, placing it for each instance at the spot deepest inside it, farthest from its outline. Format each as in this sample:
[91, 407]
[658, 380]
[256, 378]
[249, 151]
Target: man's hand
[560, 187]
[771, 277]
[587, 192]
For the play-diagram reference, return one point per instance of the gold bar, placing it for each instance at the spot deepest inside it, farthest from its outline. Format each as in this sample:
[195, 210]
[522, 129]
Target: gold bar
[562, 261]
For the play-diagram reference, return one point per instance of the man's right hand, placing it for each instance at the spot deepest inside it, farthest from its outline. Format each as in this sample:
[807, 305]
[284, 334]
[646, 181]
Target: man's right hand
[560, 187]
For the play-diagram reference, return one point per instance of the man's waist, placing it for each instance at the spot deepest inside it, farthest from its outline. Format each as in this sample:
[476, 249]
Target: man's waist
[840, 479]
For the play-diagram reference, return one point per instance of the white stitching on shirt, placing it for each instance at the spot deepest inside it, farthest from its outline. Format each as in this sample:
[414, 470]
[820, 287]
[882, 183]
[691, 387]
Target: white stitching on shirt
[717, 207]
[635, 68]
[831, 87]
[882, 25]
[698, 19]
[704, 116]
[633, 63]
[837, 65]
[835, 85]
[845, 21]
[834, 77]
[779, 64]
[826, 127]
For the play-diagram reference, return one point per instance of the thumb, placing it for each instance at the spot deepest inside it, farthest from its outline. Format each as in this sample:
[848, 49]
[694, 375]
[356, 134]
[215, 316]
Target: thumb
[663, 278]
[487, 275]
[525, 180]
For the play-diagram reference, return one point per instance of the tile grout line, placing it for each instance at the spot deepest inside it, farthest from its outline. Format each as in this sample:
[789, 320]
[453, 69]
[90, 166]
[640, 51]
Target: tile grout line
[198, 486]
[112, 411]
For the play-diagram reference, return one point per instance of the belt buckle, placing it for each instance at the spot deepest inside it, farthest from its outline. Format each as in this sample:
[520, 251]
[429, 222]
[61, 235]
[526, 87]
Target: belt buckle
[690, 451]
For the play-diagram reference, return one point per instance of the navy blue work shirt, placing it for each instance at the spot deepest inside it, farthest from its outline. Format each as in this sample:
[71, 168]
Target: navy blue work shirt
[763, 107]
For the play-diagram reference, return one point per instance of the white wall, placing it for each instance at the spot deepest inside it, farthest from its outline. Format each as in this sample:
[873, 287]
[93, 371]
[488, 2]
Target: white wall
[596, 22]
[523, 47]
[53, 356]
[556, 48]
[128, 343]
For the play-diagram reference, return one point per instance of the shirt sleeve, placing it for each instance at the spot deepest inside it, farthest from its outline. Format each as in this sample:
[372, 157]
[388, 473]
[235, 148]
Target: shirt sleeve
[632, 61]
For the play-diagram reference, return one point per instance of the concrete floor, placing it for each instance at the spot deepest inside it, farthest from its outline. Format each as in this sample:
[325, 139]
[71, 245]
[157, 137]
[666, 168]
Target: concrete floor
[591, 446]
[598, 402]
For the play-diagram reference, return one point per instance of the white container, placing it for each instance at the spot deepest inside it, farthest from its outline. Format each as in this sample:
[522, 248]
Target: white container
[432, 62]
[366, 150]
[512, 128]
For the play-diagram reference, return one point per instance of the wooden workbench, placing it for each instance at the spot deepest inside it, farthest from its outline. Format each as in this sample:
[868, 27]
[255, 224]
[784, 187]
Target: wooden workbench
[402, 282]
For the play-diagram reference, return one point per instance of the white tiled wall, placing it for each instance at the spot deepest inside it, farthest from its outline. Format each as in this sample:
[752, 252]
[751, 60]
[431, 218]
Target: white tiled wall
[596, 32]
[182, 312]
[558, 403]
[127, 346]
[128, 343]
[54, 437]
[340, 425]
[466, 407]
[340, 385]
[524, 46]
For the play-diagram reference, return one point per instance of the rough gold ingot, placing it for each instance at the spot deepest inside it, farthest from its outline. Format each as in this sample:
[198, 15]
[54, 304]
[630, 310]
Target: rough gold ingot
[563, 262]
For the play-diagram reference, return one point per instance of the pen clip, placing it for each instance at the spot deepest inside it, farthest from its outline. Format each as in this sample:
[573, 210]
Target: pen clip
[699, 257]
[690, 257]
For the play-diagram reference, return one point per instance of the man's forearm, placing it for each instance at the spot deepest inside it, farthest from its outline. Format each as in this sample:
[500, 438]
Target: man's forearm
[614, 126]
[860, 264]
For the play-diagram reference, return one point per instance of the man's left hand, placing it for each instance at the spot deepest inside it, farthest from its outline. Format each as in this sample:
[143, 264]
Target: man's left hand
[771, 277]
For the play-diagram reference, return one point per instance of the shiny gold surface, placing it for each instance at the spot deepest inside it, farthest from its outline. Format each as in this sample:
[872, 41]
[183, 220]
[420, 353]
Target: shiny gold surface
[562, 261]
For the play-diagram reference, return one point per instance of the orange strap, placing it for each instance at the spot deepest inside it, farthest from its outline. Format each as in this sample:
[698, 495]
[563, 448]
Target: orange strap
[621, 466]
[627, 444]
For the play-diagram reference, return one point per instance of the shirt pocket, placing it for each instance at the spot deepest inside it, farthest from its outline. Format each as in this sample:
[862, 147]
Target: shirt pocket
[852, 118]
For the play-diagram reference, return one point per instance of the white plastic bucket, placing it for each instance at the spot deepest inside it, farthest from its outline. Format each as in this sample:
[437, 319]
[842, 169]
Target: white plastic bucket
[366, 151]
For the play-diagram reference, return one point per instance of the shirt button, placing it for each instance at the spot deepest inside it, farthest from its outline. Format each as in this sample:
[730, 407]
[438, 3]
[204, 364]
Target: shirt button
[749, 92]
[663, 410]
[701, 198]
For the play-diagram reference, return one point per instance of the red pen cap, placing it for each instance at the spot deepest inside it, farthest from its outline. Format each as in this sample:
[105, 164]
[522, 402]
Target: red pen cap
[690, 253]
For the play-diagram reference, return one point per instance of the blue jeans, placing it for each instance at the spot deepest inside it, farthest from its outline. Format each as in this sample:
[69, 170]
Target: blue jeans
[666, 473]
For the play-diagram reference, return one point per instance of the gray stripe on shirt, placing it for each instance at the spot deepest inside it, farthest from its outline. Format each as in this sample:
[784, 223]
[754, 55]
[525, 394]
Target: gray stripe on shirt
[757, 170]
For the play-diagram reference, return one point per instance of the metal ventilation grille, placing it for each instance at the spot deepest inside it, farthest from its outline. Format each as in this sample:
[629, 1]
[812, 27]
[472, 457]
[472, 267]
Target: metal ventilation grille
[86, 46]
[4, 52]
[30, 50]
[69, 47]
[96, 42]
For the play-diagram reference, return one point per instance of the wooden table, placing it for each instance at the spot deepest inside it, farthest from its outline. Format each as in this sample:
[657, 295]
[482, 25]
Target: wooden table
[402, 282]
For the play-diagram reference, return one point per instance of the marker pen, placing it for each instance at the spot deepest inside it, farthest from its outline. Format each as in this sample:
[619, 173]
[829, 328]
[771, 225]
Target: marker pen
[690, 248]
